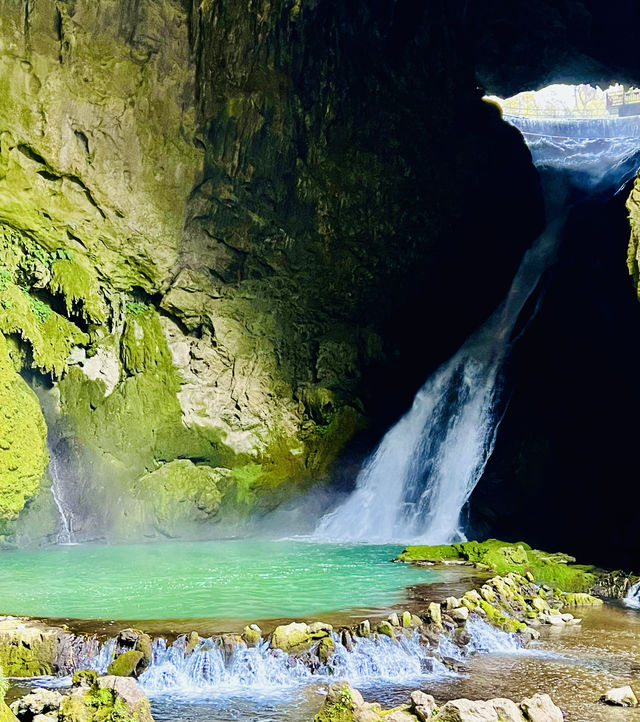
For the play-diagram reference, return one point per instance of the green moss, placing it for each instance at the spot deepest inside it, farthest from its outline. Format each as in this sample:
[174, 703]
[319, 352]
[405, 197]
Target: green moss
[555, 569]
[181, 491]
[23, 439]
[49, 335]
[342, 710]
[75, 279]
[29, 654]
[126, 664]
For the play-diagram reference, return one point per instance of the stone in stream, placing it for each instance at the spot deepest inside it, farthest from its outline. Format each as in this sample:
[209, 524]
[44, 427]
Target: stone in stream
[343, 703]
[386, 629]
[422, 705]
[298, 636]
[540, 708]
[127, 664]
[435, 613]
[92, 699]
[620, 697]
[252, 635]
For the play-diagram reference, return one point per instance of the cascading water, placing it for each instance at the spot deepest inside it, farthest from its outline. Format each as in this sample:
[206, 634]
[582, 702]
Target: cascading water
[208, 671]
[415, 485]
[65, 535]
[632, 600]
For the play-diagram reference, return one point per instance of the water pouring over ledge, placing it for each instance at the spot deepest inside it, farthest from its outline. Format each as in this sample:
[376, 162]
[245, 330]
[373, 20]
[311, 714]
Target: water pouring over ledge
[416, 484]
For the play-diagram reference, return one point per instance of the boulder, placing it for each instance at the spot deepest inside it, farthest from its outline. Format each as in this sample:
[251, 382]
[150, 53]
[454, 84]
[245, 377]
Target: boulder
[298, 636]
[465, 710]
[460, 614]
[422, 705]
[127, 664]
[540, 708]
[130, 692]
[386, 629]
[37, 702]
[326, 648]
[91, 700]
[341, 703]
[506, 710]
[252, 635]
[620, 697]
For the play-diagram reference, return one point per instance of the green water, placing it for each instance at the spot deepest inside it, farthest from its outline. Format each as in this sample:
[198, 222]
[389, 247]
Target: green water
[240, 579]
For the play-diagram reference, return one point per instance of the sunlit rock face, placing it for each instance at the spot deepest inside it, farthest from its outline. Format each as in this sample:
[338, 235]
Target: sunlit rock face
[218, 227]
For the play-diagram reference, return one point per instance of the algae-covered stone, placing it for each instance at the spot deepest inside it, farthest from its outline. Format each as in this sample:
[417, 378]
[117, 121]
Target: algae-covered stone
[386, 629]
[23, 439]
[580, 600]
[126, 664]
[298, 636]
[32, 649]
[252, 635]
[434, 613]
[341, 704]
[326, 648]
[555, 569]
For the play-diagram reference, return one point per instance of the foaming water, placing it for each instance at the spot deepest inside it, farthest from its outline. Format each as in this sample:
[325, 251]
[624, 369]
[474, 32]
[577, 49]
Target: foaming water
[417, 482]
[632, 600]
[210, 672]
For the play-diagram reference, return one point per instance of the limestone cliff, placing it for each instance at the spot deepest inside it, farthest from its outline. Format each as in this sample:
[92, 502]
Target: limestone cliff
[216, 225]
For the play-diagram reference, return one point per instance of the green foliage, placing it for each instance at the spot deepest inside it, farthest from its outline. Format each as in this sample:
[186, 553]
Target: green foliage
[4, 684]
[40, 309]
[6, 279]
[134, 308]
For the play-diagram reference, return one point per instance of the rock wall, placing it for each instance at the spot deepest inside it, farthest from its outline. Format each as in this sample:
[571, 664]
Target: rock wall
[226, 244]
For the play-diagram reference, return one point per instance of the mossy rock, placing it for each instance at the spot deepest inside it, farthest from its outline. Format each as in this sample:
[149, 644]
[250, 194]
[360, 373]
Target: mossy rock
[555, 569]
[126, 664]
[23, 439]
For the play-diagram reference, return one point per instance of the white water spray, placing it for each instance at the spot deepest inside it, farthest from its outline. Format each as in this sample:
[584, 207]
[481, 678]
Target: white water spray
[632, 600]
[415, 485]
[207, 672]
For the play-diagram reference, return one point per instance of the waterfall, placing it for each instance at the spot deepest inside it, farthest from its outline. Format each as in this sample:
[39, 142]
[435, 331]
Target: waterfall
[632, 599]
[65, 535]
[415, 485]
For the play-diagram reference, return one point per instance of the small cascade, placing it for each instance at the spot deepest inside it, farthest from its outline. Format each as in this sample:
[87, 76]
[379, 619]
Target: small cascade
[632, 600]
[485, 639]
[65, 536]
[208, 671]
[417, 482]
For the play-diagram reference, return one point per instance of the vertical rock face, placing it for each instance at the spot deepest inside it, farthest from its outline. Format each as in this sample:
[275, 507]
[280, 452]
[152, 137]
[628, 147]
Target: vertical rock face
[23, 439]
[230, 234]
